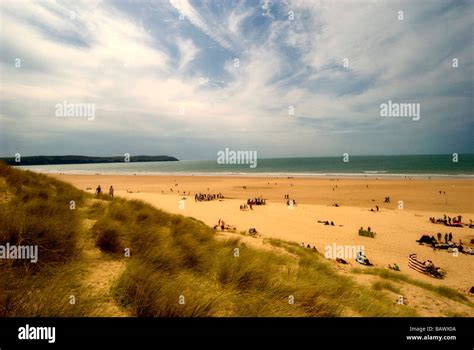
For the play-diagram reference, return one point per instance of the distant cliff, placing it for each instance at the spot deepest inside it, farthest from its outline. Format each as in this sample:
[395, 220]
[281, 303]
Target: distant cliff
[45, 160]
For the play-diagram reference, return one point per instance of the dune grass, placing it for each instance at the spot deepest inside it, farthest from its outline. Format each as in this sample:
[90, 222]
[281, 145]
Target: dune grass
[38, 212]
[177, 268]
[381, 285]
[398, 277]
[53, 292]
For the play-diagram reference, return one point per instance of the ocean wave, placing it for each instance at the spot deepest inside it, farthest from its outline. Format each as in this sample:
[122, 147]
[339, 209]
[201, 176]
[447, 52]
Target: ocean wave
[368, 173]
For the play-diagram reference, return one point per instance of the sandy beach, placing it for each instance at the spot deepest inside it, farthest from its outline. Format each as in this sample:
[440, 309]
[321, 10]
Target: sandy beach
[396, 229]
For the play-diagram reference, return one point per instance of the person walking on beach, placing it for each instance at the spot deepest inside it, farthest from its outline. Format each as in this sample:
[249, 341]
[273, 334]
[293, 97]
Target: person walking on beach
[98, 190]
[111, 191]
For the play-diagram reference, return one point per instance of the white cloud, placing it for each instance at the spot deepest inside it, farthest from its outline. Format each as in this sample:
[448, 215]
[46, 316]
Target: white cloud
[213, 31]
[187, 51]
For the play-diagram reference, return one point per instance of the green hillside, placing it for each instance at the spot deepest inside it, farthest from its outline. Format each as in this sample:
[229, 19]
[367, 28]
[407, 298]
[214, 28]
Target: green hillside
[50, 160]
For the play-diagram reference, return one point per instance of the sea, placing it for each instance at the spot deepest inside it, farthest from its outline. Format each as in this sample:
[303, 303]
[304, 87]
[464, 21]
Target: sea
[359, 166]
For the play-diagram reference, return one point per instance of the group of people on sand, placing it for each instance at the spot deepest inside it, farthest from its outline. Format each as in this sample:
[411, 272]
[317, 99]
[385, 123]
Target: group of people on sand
[291, 203]
[326, 222]
[426, 266]
[309, 247]
[448, 237]
[387, 199]
[431, 268]
[200, 197]
[222, 225]
[98, 191]
[251, 202]
[255, 201]
[448, 221]
[448, 243]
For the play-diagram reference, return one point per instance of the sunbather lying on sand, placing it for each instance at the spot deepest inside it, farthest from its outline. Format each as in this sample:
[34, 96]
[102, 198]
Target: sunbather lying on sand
[362, 259]
[341, 261]
[326, 222]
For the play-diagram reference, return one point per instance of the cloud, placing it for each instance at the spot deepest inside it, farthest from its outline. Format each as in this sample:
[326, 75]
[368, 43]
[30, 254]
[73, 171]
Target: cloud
[158, 82]
[187, 51]
[192, 15]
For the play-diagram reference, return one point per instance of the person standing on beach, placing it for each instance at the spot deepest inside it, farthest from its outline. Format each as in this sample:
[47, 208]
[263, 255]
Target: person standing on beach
[111, 191]
[98, 190]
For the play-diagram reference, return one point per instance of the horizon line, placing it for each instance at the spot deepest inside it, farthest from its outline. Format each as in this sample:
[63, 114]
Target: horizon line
[283, 157]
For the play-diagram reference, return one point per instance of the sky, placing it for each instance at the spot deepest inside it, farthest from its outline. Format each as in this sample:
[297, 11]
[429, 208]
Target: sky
[190, 78]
